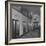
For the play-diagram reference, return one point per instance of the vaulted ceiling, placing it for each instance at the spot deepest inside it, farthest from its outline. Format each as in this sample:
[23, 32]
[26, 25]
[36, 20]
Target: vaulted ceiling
[26, 10]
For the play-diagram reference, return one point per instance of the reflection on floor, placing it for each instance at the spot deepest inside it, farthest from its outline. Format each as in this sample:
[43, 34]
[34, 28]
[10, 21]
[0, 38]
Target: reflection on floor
[31, 34]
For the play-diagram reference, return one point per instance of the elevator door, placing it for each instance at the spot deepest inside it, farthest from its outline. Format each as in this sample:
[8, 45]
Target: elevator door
[15, 29]
[25, 29]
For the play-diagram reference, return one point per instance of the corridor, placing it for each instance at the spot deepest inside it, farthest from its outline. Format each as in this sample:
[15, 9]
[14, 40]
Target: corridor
[25, 22]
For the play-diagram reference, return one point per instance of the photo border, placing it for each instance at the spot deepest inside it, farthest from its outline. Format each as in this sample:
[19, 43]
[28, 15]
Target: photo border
[6, 22]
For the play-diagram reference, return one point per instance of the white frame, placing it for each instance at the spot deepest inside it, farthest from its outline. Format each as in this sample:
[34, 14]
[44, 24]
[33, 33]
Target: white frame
[10, 40]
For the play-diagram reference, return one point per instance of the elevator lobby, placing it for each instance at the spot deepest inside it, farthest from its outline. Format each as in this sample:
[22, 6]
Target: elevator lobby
[25, 21]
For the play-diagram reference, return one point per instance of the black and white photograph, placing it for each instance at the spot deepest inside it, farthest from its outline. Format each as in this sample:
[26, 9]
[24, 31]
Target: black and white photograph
[25, 22]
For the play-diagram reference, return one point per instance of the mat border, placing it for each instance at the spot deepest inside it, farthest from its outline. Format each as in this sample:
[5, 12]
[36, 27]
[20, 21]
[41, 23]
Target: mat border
[6, 23]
